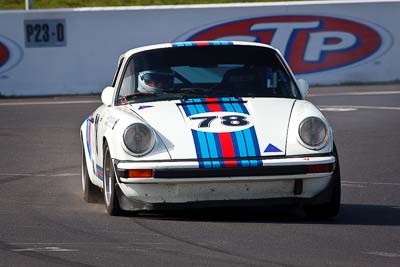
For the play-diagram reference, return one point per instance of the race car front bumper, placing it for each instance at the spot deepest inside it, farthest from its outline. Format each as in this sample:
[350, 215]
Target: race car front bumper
[182, 184]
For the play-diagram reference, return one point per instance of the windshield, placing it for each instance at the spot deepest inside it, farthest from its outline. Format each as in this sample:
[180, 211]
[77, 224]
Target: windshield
[209, 71]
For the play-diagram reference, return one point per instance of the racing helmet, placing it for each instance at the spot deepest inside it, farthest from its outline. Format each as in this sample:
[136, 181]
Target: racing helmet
[155, 81]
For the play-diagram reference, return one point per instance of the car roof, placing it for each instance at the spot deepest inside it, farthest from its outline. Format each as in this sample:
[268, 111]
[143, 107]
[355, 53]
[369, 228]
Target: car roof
[133, 51]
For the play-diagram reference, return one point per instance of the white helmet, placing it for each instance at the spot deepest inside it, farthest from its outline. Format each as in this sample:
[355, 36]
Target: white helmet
[155, 81]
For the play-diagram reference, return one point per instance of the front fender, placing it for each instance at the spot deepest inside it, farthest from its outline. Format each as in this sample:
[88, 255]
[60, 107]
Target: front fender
[86, 135]
[114, 125]
[301, 110]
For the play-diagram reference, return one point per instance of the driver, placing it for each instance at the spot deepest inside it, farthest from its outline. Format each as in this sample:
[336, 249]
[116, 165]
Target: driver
[155, 81]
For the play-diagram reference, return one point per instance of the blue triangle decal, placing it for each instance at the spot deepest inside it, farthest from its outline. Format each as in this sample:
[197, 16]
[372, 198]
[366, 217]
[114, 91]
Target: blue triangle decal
[272, 148]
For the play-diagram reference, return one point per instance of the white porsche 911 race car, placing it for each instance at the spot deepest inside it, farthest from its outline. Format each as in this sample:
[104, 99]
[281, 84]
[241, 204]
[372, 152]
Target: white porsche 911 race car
[208, 124]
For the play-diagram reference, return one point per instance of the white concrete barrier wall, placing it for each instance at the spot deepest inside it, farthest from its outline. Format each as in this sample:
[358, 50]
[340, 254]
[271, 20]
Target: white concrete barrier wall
[69, 51]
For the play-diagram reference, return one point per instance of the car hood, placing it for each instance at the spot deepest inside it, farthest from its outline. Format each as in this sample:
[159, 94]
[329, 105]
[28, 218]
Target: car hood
[220, 128]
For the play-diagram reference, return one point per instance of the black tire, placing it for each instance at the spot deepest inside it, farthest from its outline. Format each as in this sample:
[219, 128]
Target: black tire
[111, 200]
[88, 188]
[331, 208]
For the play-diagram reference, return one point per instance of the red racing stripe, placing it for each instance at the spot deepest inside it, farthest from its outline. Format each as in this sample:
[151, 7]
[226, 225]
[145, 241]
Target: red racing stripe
[226, 145]
[230, 163]
[214, 107]
[227, 149]
[201, 43]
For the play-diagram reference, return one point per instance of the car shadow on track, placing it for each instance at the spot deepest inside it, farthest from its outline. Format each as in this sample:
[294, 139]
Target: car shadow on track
[350, 214]
[357, 214]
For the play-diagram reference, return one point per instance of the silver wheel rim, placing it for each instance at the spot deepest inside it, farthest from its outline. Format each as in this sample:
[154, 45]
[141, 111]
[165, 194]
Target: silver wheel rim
[107, 180]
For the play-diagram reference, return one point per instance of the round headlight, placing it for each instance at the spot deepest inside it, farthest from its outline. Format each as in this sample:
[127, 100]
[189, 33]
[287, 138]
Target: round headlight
[313, 132]
[139, 139]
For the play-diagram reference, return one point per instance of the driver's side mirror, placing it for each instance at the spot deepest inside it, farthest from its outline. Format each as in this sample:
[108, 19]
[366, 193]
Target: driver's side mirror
[303, 86]
[107, 95]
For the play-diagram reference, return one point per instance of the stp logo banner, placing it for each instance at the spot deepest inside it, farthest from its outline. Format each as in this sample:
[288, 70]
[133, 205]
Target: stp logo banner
[4, 54]
[10, 54]
[309, 43]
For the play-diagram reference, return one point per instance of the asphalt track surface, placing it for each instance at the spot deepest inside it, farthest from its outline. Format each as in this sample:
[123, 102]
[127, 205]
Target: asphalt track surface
[45, 222]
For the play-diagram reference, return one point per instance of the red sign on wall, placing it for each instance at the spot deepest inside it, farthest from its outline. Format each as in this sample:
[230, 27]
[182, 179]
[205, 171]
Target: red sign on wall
[4, 54]
[10, 54]
[309, 43]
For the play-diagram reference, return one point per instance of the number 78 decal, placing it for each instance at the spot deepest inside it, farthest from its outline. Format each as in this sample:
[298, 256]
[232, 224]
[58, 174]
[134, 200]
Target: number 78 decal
[229, 120]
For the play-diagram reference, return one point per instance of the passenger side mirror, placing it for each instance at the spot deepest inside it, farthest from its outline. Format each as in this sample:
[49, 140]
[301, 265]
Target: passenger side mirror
[303, 86]
[107, 95]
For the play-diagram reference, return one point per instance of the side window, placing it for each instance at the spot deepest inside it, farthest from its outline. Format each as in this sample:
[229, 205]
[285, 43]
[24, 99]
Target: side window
[128, 81]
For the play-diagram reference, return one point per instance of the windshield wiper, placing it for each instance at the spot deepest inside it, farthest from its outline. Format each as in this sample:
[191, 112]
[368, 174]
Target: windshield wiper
[135, 95]
[127, 98]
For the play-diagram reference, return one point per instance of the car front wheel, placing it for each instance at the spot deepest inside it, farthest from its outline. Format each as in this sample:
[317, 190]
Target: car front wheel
[88, 188]
[331, 208]
[109, 182]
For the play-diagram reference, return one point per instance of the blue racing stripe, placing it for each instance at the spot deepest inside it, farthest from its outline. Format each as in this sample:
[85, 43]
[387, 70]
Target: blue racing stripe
[205, 154]
[216, 164]
[218, 145]
[87, 139]
[99, 172]
[192, 110]
[235, 144]
[182, 44]
[255, 141]
[255, 163]
[249, 143]
[201, 43]
[211, 145]
[201, 108]
[245, 163]
[237, 107]
[220, 43]
[186, 110]
[240, 163]
[240, 141]
[240, 107]
[178, 45]
[213, 149]
[229, 107]
[197, 144]
[207, 164]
